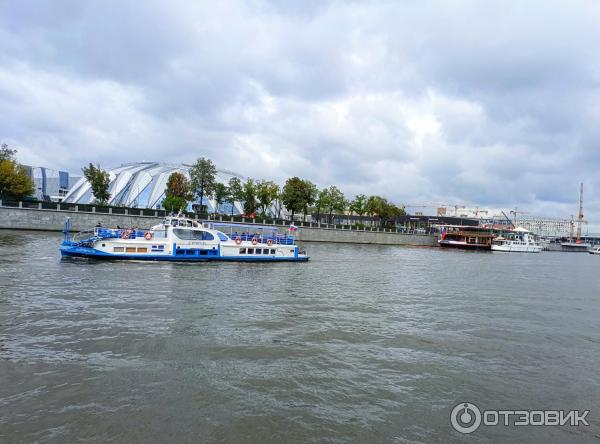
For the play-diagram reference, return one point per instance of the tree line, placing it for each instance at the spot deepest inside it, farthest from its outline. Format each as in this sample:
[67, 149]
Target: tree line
[298, 196]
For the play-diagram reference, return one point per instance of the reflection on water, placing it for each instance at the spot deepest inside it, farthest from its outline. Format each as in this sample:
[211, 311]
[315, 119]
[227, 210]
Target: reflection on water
[363, 343]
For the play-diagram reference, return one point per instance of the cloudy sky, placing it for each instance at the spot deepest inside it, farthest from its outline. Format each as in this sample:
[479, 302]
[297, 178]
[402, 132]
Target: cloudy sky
[477, 102]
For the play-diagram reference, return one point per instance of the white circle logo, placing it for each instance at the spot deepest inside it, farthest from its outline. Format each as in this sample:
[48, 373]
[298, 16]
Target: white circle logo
[465, 417]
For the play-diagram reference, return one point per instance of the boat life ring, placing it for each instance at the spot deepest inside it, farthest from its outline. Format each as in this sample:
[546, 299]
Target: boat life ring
[270, 242]
[254, 241]
[125, 234]
[148, 235]
[238, 240]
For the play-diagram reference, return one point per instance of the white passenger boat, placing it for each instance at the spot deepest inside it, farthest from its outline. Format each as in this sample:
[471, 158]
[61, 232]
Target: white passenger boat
[594, 250]
[183, 239]
[519, 240]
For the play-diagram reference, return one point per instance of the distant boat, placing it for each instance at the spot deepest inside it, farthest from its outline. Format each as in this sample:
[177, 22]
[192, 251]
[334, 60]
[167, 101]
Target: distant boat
[581, 247]
[465, 237]
[518, 240]
[594, 250]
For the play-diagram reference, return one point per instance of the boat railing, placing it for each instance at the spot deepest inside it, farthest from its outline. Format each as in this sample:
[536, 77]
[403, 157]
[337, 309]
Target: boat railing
[115, 233]
[275, 239]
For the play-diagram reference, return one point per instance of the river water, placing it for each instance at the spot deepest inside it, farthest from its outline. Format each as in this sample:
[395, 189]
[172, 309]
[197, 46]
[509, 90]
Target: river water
[361, 344]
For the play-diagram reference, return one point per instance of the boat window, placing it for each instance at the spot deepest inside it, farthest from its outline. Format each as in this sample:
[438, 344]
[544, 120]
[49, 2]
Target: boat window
[266, 251]
[222, 236]
[142, 250]
[130, 250]
[118, 249]
[242, 251]
[250, 250]
[193, 234]
[273, 251]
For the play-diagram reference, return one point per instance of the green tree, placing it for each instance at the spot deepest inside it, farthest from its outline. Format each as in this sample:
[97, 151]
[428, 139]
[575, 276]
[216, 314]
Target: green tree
[336, 202]
[359, 205]
[374, 205]
[293, 195]
[6, 153]
[310, 193]
[249, 196]
[202, 175]
[266, 192]
[387, 211]
[220, 194]
[15, 183]
[321, 202]
[298, 195]
[236, 192]
[99, 180]
[178, 192]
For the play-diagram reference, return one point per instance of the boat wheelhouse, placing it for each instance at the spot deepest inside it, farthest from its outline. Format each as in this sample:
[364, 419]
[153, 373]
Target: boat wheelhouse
[184, 239]
[518, 240]
[466, 237]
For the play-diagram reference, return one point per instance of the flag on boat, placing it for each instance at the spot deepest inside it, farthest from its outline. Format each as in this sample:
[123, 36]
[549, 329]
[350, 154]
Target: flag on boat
[443, 233]
[293, 228]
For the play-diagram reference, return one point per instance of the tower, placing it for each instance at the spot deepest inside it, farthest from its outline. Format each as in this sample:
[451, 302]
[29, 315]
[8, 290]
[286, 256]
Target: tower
[580, 217]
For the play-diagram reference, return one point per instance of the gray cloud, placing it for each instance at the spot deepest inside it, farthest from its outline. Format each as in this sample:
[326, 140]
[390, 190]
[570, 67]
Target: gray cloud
[489, 103]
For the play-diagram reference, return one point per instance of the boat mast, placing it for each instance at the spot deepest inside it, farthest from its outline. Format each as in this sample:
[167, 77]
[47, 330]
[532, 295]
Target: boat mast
[580, 217]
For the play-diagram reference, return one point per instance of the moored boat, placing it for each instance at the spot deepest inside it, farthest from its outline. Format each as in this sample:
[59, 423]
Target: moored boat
[182, 239]
[518, 240]
[465, 237]
[577, 246]
[594, 250]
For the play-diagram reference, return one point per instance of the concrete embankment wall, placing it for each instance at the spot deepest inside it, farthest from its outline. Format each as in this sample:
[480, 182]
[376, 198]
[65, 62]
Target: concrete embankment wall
[54, 220]
[364, 237]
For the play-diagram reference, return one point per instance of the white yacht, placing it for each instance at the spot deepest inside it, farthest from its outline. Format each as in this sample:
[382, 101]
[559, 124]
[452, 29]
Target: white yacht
[519, 240]
[594, 250]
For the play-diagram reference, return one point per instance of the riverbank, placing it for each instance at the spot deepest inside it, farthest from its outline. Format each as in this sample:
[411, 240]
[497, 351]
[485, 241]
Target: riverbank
[40, 219]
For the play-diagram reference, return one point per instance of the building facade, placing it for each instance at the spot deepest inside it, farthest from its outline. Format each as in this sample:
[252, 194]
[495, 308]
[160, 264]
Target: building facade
[50, 185]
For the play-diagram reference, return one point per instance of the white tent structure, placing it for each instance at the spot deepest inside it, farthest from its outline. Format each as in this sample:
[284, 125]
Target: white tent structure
[143, 185]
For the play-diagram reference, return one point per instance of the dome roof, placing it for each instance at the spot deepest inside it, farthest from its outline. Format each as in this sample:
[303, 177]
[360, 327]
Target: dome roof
[141, 185]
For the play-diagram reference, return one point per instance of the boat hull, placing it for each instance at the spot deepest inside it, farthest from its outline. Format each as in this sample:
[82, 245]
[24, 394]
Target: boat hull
[92, 253]
[463, 245]
[513, 249]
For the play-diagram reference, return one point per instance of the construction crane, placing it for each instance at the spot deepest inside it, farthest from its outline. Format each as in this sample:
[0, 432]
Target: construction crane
[435, 205]
[515, 212]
